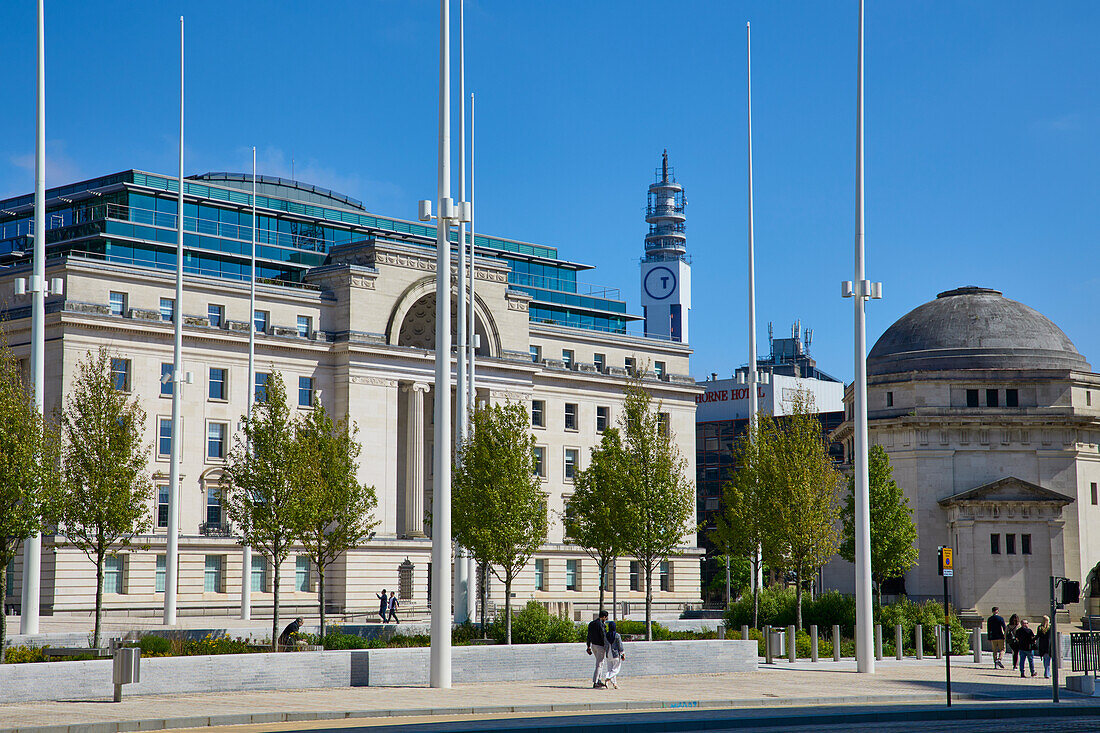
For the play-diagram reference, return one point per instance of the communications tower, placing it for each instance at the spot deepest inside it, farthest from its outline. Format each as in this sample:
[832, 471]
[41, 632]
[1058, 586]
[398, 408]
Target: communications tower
[666, 274]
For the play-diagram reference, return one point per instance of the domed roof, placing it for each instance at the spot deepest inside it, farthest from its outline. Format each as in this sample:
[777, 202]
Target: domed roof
[973, 328]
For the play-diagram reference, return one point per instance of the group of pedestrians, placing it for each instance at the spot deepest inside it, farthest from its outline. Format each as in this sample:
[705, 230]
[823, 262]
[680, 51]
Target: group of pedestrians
[387, 606]
[605, 644]
[1021, 640]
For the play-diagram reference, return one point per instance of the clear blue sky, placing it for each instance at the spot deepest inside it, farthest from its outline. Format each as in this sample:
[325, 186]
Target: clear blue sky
[982, 145]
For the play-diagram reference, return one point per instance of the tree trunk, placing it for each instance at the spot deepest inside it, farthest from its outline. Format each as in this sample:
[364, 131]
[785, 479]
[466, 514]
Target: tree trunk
[603, 575]
[756, 580]
[98, 599]
[3, 611]
[275, 603]
[321, 597]
[508, 609]
[484, 598]
[798, 599]
[648, 602]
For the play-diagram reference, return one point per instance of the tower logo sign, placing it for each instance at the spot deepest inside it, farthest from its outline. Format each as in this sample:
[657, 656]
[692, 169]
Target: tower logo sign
[660, 283]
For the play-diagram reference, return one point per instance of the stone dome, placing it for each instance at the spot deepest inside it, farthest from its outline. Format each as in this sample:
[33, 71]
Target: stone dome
[973, 328]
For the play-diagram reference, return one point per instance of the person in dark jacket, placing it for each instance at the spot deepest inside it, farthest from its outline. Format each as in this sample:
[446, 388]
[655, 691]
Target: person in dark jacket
[1025, 646]
[383, 605]
[1042, 642]
[393, 609]
[596, 642]
[1010, 638]
[290, 630]
[995, 630]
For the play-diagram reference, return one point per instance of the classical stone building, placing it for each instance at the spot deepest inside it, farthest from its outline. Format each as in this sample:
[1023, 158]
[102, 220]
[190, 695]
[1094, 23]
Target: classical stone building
[991, 419]
[346, 315]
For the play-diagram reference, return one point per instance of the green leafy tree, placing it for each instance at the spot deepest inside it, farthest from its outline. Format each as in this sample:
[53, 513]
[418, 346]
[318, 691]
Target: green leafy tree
[591, 518]
[28, 465]
[893, 534]
[258, 484]
[105, 492]
[802, 500]
[498, 507]
[334, 509]
[659, 501]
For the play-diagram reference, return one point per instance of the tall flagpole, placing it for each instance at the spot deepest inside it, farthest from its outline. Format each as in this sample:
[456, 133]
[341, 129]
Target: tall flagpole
[441, 496]
[32, 546]
[461, 392]
[865, 660]
[171, 560]
[754, 404]
[246, 552]
[471, 335]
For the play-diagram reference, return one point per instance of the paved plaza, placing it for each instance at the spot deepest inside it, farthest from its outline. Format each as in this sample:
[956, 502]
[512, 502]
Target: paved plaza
[781, 685]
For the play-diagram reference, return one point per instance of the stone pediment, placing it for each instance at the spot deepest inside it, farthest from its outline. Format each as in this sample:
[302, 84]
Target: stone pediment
[1008, 490]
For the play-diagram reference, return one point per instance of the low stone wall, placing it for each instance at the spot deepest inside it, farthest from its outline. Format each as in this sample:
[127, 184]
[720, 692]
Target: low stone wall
[91, 680]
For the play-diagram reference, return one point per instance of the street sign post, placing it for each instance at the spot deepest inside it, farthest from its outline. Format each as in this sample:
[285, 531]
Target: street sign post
[947, 570]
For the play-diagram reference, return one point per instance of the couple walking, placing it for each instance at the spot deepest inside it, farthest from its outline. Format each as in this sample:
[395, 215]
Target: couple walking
[606, 645]
[387, 605]
[1021, 639]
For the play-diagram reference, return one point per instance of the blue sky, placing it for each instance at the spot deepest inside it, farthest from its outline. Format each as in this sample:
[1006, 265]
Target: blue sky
[982, 145]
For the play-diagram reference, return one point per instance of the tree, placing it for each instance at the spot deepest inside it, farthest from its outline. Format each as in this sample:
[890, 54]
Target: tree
[333, 508]
[801, 502]
[498, 507]
[659, 501]
[28, 465]
[258, 483]
[893, 534]
[105, 493]
[591, 518]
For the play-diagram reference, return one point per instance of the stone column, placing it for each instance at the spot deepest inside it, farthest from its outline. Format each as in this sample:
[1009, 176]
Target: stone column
[414, 461]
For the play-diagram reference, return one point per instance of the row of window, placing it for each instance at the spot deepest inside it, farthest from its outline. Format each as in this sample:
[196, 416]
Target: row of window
[217, 382]
[568, 357]
[217, 439]
[573, 576]
[213, 507]
[214, 313]
[115, 571]
[570, 465]
[538, 415]
[993, 397]
[1010, 544]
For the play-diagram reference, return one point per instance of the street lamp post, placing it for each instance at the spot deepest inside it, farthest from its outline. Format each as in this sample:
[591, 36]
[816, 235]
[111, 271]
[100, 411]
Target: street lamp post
[461, 581]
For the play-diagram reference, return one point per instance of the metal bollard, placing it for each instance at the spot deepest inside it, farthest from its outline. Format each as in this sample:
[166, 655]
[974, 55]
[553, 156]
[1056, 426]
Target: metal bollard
[744, 631]
[127, 662]
[791, 648]
[918, 640]
[767, 645]
[976, 643]
[813, 642]
[836, 643]
[899, 643]
[721, 631]
[878, 642]
[939, 641]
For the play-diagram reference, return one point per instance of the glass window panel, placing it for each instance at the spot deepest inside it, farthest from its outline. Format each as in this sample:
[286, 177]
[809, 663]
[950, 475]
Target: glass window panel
[216, 383]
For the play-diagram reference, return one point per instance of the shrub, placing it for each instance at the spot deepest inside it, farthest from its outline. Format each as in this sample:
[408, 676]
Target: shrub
[637, 628]
[24, 654]
[929, 614]
[155, 646]
[339, 640]
[211, 645]
[777, 608]
[534, 625]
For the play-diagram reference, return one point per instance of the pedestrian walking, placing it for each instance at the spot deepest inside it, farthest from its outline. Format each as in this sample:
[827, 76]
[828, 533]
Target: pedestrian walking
[1025, 646]
[596, 642]
[393, 609]
[615, 654]
[1042, 643]
[383, 605]
[995, 630]
[1010, 638]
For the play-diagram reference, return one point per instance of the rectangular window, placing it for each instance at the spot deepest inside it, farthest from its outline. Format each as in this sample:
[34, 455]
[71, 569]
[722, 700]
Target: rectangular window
[164, 437]
[215, 440]
[214, 507]
[1010, 544]
[889, 399]
[540, 575]
[301, 573]
[603, 416]
[1025, 544]
[631, 365]
[971, 398]
[162, 506]
[659, 369]
[570, 416]
[991, 398]
[259, 573]
[259, 321]
[994, 544]
[635, 575]
[166, 385]
[666, 576]
[112, 573]
[1088, 398]
[570, 463]
[217, 383]
[540, 461]
[599, 360]
[261, 386]
[305, 326]
[305, 391]
[538, 413]
[9, 589]
[536, 354]
[571, 575]
[118, 304]
[212, 574]
[1095, 498]
[1012, 398]
[567, 358]
[663, 424]
[120, 374]
[167, 309]
[607, 574]
[162, 564]
[216, 315]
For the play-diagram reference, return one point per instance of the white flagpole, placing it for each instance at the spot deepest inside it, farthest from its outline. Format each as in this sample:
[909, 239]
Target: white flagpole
[172, 555]
[246, 552]
[754, 403]
[32, 546]
[471, 335]
[461, 392]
